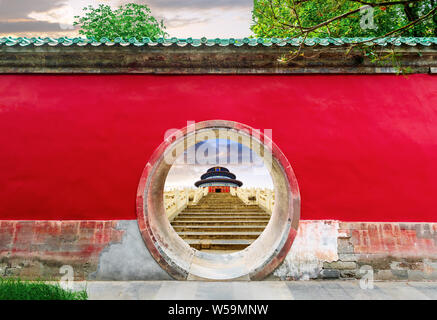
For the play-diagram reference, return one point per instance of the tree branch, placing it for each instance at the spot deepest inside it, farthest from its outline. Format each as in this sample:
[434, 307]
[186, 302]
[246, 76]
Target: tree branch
[385, 4]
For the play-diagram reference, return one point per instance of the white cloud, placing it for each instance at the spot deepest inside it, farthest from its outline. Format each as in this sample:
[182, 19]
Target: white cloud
[63, 15]
[212, 23]
[211, 19]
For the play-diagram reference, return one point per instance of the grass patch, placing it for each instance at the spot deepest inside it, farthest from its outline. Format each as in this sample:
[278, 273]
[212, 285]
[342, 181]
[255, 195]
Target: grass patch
[16, 289]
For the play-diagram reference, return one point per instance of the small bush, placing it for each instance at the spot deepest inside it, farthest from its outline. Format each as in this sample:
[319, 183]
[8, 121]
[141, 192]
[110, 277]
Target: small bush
[15, 289]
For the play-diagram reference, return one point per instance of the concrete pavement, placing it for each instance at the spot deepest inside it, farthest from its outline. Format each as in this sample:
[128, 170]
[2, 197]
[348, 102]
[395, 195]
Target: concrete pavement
[257, 290]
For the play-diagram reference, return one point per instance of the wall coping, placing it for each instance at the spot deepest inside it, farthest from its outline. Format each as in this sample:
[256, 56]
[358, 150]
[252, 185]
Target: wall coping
[80, 41]
[211, 56]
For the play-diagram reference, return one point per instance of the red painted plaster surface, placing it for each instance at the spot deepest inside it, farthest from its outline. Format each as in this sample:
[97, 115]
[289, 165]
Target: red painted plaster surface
[68, 241]
[397, 239]
[363, 148]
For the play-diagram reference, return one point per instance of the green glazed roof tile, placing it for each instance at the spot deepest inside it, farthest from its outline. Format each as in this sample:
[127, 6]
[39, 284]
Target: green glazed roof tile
[79, 41]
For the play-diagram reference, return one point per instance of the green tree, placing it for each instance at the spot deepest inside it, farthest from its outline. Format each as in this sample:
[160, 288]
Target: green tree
[341, 18]
[344, 18]
[128, 21]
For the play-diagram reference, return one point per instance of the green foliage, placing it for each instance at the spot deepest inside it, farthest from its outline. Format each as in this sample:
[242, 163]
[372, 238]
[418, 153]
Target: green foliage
[280, 18]
[128, 21]
[15, 289]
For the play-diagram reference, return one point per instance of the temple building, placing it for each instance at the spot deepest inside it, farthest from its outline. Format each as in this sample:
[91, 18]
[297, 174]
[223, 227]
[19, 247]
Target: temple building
[218, 179]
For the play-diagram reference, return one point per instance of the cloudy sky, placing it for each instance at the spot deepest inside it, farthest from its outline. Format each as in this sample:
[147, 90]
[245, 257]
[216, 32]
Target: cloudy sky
[246, 165]
[183, 18]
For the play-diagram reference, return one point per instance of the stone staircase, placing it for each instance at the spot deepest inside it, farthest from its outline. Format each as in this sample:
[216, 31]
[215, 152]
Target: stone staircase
[220, 222]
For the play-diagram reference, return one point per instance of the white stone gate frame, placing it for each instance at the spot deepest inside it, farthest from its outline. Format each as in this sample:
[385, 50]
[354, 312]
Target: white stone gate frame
[180, 260]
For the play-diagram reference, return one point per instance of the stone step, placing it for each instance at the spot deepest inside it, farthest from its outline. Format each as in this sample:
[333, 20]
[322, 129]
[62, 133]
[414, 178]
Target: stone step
[219, 198]
[224, 212]
[218, 201]
[223, 208]
[221, 213]
[212, 210]
[221, 205]
[185, 228]
[230, 216]
[216, 217]
[220, 222]
[221, 201]
[219, 244]
[213, 195]
[219, 235]
[234, 200]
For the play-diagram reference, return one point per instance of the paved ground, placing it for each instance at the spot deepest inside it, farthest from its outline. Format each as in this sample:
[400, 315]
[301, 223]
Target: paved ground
[268, 290]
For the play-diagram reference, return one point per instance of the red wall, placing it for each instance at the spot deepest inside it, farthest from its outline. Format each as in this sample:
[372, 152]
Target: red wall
[363, 148]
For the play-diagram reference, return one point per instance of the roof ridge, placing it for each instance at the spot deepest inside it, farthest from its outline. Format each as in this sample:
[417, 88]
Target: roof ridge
[195, 42]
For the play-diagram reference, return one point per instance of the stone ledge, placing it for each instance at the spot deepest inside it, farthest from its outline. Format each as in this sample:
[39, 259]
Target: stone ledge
[206, 60]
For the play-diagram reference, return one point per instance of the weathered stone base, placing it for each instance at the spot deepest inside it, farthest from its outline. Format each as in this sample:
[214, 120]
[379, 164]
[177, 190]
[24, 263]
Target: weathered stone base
[114, 250]
[38, 249]
[386, 251]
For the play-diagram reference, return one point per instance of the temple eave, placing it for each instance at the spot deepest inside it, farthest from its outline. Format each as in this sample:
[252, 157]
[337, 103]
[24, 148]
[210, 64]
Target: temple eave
[224, 181]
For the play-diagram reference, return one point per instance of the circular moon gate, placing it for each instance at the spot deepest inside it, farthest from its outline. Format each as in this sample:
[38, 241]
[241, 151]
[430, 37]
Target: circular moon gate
[184, 262]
